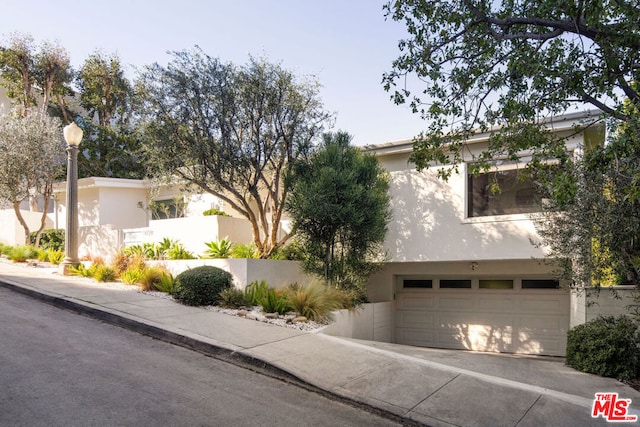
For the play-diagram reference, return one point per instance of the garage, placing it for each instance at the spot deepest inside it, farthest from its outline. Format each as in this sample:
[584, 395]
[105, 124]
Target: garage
[528, 315]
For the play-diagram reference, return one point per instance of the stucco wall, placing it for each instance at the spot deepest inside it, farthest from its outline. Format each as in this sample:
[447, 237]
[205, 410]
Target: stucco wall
[373, 322]
[12, 232]
[277, 273]
[192, 232]
[122, 207]
[587, 304]
[429, 222]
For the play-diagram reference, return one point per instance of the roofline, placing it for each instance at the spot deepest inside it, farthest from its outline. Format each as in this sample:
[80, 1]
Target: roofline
[103, 182]
[558, 123]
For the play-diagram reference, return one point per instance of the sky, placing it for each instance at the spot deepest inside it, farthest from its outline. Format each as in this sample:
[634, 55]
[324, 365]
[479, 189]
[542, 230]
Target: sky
[346, 44]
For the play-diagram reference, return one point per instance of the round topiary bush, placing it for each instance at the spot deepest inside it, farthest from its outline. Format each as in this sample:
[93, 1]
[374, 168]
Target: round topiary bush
[201, 285]
[606, 346]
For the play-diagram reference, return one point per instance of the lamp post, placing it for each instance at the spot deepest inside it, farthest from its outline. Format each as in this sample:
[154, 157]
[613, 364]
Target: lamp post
[73, 136]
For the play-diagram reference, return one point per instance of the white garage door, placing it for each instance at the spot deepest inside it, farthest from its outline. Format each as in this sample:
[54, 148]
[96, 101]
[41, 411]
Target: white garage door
[501, 315]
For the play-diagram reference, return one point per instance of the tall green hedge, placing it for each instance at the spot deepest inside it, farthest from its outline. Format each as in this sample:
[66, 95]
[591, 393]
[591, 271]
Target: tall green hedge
[606, 346]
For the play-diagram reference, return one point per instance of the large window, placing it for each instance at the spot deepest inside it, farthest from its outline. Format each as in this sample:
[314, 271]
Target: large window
[501, 192]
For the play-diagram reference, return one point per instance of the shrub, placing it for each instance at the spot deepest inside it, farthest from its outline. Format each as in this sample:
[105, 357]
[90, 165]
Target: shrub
[220, 249]
[54, 256]
[5, 249]
[247, 250]
[49, 239]
[232, 298]
[102, 273]
[177, 251]
[156, 278]
[316, 300]
[606, 346]
[21, 253]
[132, 275]
[211, 212]
[275, 302]
[255, 292]
[201, 285]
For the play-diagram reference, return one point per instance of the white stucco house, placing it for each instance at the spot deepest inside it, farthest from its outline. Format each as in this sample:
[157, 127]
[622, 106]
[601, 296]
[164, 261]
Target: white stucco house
[462, 271]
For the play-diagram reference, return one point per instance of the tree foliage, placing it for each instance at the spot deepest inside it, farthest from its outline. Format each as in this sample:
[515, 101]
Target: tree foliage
[339, 205]
[31, 157]
[110, 144]
[592, 226]
[509, 63]
[35, 74]
[233, 131]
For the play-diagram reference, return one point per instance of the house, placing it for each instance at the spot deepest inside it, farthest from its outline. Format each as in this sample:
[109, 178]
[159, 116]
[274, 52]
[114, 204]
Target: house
[462, 272]
[116, 212]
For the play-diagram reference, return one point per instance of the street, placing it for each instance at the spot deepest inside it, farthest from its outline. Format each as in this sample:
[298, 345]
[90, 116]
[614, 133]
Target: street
[58, 368]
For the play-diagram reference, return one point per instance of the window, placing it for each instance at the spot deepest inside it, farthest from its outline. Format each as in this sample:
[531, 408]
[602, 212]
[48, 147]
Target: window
[540, 284]
[501, 192]
[496, 284]
[165, 209]
[455, 284]
[417, 283]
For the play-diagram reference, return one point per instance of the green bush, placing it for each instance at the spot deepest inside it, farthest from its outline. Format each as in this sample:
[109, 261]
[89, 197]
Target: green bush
[211, 212]
[232, 298]
[21, 253]
[247, 250]
[275, 302]
[606, 346]
[132, 275]
[201, 285]
[49, 239]
[5, 249]
[102, 273]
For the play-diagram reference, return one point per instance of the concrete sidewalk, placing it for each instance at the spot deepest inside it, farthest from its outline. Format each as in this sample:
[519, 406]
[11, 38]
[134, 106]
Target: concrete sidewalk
[417, 385]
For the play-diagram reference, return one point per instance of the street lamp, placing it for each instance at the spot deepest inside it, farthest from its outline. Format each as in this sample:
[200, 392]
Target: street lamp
[73, 136]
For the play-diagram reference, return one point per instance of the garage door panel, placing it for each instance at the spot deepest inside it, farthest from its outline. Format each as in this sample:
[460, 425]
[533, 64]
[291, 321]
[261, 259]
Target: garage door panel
[416, 336]
[457, 303]
[518, 321]
[415, 301]
[416, 319]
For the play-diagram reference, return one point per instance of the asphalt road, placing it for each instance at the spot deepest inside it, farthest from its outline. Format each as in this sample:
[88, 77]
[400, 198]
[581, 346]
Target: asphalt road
[58, 368]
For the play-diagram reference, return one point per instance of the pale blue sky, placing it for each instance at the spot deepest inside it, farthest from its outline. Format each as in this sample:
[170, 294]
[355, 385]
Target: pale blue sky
[347, 44]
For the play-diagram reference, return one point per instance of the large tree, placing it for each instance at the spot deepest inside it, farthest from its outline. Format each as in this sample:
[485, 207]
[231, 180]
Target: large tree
[482, 63]
[233, 131]
[31, 157]
[105, 93]
[35, 74]
[339, 205]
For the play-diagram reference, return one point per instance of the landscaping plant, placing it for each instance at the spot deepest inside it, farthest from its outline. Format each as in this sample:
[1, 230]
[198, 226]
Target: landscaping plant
[606, 346]
[232, 298]
[219, 249]
[201, 285]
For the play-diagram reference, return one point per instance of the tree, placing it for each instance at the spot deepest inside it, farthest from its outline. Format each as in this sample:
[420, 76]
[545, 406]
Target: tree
[592, 226]
[232, 131]
[111, 146]
[25, 70]
[339, 205]
[508, 63]
[31, 157]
